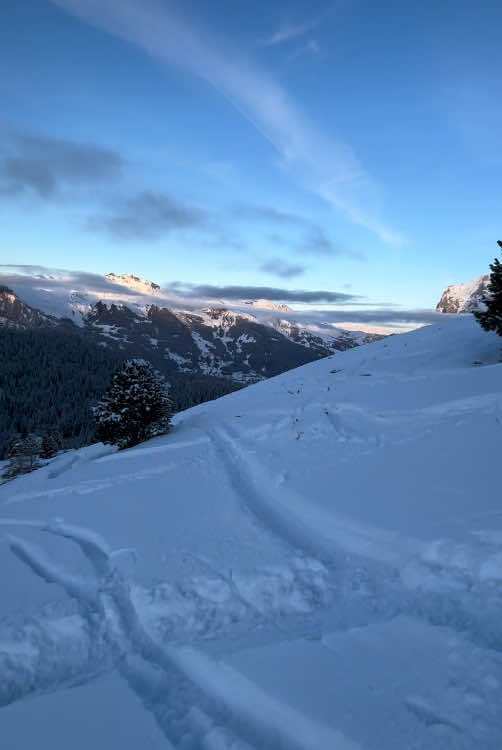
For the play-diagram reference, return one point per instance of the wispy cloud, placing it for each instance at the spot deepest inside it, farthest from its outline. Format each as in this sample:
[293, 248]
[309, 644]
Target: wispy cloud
[45, 166]
[283, 269]
[287, 31]
[58, 280]
[270, 215]
[147, 215]
[315, 240]
[311, 47]
[379, 316]
[323, 165]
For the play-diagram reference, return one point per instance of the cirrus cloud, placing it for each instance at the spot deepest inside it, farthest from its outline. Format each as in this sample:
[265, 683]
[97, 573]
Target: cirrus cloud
[323, 165]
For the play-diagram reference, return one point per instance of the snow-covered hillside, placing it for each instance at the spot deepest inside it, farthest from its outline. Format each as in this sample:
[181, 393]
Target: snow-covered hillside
[317, 564]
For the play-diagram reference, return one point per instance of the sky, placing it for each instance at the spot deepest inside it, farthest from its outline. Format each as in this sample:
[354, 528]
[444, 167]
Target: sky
[345, 148]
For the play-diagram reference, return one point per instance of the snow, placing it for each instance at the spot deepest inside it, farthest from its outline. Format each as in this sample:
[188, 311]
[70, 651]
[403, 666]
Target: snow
[311, 562]
[102, 714]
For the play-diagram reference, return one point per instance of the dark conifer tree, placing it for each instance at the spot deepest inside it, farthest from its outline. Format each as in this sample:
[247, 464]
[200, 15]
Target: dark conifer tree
[491, 317]
[49, 446]
[135, 408]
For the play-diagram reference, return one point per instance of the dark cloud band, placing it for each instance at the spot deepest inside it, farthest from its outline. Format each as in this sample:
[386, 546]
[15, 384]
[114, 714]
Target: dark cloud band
[282, 268]
[44, 166]
[148, 215]
[209, 291]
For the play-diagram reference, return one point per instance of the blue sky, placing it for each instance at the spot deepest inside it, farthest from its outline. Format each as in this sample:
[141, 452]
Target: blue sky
[343, 146]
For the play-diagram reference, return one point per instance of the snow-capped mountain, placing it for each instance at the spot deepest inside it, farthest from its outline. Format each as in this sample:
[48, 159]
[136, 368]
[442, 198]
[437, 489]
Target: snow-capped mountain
[463, 298]
[134, 282]
[266, 304]
[16, 314]
[311, 563]
[245, 341]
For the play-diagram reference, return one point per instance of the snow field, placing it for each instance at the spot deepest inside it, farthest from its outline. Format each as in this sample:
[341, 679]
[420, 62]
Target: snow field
[318, 559]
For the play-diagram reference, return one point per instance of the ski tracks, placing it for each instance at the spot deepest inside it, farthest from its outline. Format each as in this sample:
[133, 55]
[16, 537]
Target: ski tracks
[406, 575]
[198, 701]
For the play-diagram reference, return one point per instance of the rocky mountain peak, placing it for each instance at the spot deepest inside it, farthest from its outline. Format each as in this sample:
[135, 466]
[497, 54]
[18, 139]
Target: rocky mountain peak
[266, 304]
[16, 314]
[134, 282]
[463, 298]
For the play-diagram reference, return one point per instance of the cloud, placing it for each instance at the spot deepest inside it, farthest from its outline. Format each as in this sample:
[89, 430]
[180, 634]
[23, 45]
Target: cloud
[44, 166]
[282, 268]
[287, 31]
[271, 215]
[147, 215]
[315, 240]
[323, 165]
[379, 316]
[58, 279]
[210, 291]
[309, 48]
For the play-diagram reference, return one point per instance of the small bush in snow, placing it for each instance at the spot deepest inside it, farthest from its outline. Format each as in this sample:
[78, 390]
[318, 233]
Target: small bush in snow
[491, 318]
[135, 408]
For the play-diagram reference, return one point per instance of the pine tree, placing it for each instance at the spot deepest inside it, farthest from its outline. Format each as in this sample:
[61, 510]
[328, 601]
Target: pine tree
[135, 408]
[24, 456]
[491, 318]
[49, 446]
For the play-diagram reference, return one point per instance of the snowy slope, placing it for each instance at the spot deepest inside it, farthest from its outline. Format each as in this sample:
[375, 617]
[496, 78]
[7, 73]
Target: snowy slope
[318, 563]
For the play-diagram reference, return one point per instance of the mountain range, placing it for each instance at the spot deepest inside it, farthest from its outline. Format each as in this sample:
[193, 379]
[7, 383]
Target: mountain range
[244, 342]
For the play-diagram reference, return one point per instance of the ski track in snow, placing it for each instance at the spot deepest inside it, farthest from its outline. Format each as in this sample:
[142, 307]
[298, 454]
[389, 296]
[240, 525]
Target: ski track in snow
[410, 575]
[197, 701]
[341, 580]
[30, 663]
[95, 485]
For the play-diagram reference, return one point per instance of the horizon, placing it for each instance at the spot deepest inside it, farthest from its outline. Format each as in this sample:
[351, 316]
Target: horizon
[338, 150]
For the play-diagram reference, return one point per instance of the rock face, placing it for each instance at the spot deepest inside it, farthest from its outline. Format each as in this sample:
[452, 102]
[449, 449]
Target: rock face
[215, 342]
[16, 314]
[463, 298]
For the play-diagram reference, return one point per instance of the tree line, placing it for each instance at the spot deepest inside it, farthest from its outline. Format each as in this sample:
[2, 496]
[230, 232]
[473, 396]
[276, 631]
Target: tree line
[51, 379]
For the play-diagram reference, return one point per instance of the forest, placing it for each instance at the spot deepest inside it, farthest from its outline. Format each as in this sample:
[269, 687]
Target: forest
[51, 378]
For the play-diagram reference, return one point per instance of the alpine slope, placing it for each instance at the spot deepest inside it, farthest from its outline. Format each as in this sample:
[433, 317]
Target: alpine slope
[311, 563]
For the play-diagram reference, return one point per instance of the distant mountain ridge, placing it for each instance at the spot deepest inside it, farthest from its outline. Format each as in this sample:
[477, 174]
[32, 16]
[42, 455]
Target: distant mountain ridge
[245, 341]
[463, 298]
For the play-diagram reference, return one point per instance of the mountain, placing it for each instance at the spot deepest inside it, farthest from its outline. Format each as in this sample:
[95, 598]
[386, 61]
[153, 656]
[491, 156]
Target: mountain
[244, 342]
[16, 314]
[463, 298]
[311, 563]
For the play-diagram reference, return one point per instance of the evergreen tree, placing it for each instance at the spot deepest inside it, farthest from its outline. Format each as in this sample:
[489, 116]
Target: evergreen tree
[24, 456]
[491, 318]
[135, 408]
[49, 446]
